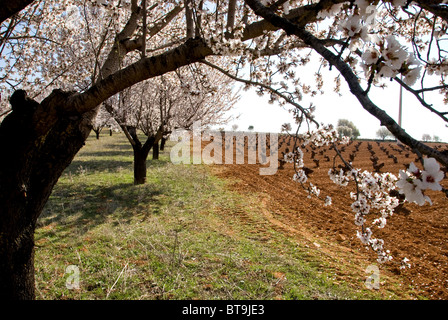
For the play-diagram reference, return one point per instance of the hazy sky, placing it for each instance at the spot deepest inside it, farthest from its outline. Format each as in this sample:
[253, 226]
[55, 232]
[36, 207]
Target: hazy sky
[330, 107]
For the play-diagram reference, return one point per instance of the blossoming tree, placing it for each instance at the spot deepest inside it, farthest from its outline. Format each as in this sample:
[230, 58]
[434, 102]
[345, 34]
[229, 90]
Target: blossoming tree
[62, 59]
[102, 120]
[176, 100]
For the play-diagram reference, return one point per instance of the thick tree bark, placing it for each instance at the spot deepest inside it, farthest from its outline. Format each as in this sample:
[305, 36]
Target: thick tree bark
[8, 8]
[37, 154]
[140, 157]
[141, 152]
[17, 263]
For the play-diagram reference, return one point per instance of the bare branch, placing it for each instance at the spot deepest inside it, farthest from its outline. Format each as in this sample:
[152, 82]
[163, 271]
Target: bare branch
[189, 19]
[145, 31]
[416, 93]
[270, 89]
[231, 17]
[301, 16]
[435, 7]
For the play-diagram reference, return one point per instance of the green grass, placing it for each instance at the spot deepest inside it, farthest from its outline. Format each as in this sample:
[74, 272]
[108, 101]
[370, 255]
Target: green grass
[182, 235]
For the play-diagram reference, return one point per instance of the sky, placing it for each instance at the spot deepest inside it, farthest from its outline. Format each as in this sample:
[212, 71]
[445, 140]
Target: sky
[330, 107]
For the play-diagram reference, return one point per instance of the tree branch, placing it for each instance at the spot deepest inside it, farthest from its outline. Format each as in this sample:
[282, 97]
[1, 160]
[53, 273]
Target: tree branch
[145, 31]
[9, 8]
[230, 18]
[270, 89]
[435, 8]
[301, 16]
[191, 51]
[189, 19]
[350, 78]
[416, 93]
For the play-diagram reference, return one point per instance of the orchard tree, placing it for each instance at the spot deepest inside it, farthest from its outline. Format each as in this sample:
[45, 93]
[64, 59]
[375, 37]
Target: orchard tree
[383, 133]
[62, 59]
[104, 119]
[347, 128]
[426, 137]
[176, 100]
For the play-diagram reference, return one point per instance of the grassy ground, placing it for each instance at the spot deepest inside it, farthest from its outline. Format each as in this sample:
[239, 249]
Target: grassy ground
[179, 236]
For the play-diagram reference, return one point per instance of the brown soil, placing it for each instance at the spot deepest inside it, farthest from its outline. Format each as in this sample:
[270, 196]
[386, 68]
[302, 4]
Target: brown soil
[417, 233]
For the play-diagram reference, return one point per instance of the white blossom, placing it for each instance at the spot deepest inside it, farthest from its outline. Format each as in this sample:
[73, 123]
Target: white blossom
[432, 175]
[411, 188]
[365, 236]
[405, 263]
[289, 157]
[370, 56]
[300, 176]
[328, 201]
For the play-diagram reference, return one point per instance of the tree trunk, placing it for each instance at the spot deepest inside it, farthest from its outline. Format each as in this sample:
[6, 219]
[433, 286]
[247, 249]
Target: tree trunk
[155, 151]
[17, 264]
[9, 8]
[141, 152]
[162, 144]
[41, 141]
[97, 134]
[140, 156]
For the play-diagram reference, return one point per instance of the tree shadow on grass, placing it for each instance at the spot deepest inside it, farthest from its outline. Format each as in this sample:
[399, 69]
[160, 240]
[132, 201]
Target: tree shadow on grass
[98, 165]
[125, 146]
[92, 192]
[103, 161]
[109, 153]
[84, 206]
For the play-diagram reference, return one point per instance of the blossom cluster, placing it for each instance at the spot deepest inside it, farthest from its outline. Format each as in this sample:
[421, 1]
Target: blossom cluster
[383, 56]
[324, 136]
[413, 182]
[372, 197]
[388, 58]
[439, 68]
[297, 158]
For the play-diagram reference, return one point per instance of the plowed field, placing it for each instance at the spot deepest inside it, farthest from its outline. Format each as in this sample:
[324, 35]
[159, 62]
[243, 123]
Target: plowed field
[417, 233]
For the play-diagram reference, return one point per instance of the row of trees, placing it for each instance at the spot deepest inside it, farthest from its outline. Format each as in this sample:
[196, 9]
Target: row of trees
[156, 107]
[427, 138]
[347, 128]
[383, 133]
[62, 60]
